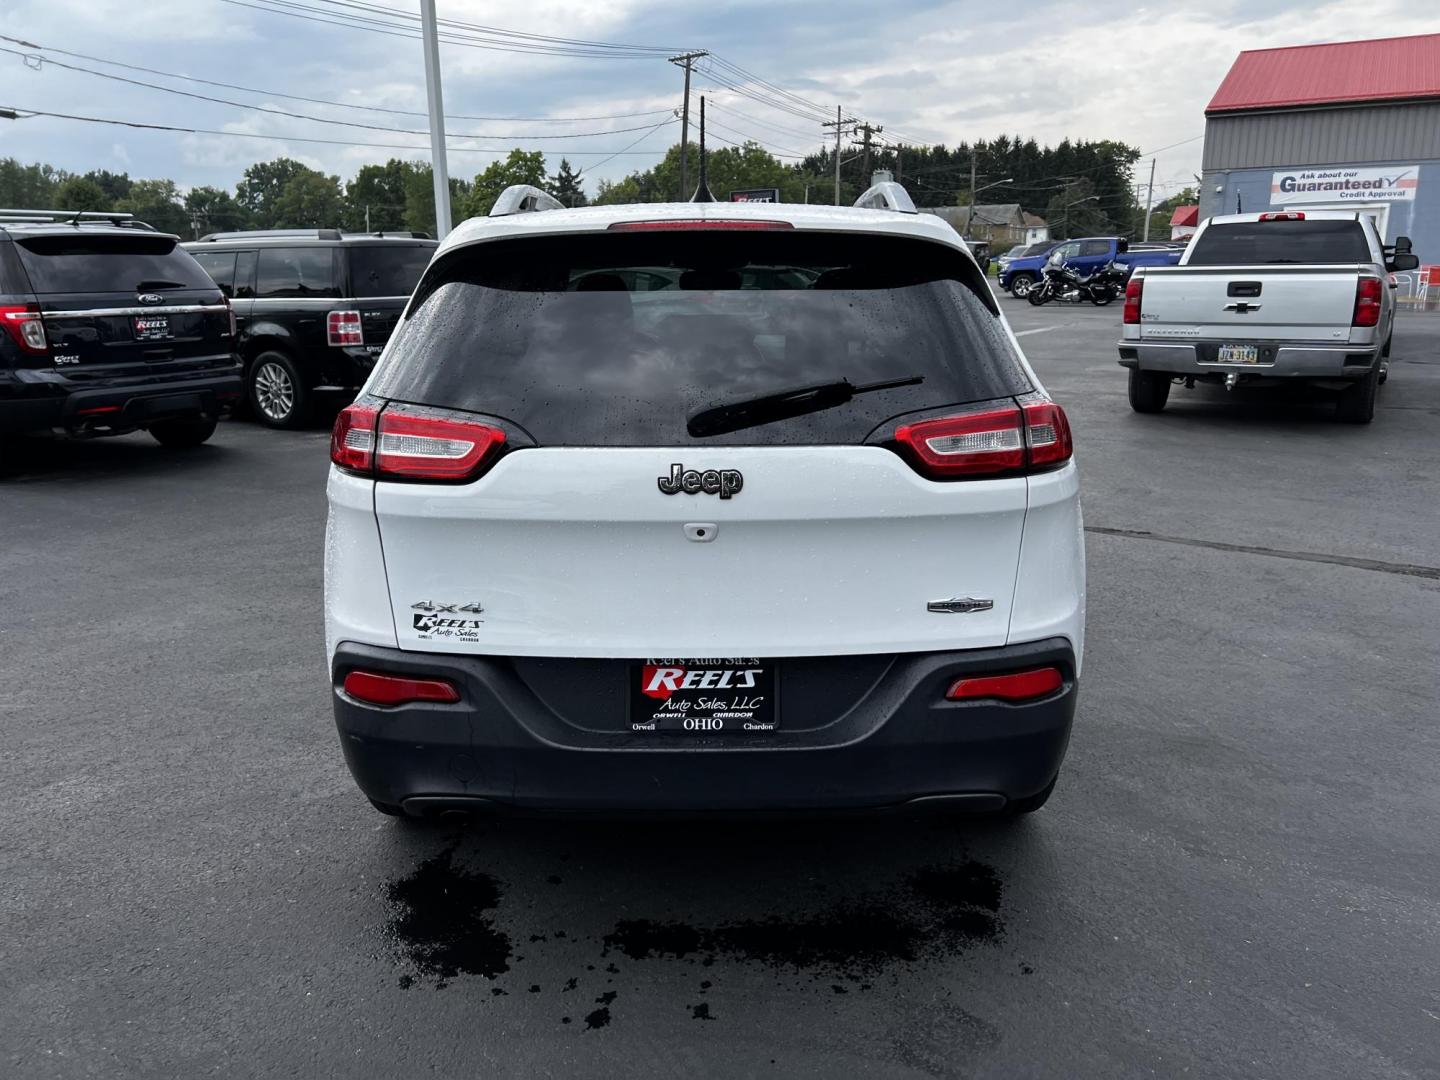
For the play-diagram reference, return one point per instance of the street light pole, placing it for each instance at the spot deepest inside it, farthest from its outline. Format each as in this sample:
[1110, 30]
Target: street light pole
[431, 41]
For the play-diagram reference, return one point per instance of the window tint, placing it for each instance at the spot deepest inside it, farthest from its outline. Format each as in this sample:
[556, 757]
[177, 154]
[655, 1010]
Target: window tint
[80, 263]
[614, 340]
[1065, 251]
[220, 265]
[1313, 241]
[1095, 247]
[245, 276]
[296, 272]
[387, 270]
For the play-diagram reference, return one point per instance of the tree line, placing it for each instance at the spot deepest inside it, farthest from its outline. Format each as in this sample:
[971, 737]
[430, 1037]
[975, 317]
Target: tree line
[1079, 188]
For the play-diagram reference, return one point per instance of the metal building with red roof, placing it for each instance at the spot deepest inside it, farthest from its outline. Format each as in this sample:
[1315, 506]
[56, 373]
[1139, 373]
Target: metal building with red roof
[1341, 125]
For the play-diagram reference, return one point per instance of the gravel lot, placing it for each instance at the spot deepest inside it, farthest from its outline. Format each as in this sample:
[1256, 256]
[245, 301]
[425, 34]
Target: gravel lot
[1237, 876]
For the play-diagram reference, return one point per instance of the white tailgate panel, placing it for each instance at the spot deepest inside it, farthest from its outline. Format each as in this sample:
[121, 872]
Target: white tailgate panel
[825, 550]
[1292, 307]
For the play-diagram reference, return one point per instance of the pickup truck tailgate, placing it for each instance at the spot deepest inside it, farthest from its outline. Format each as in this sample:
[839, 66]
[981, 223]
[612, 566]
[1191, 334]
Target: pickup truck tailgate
[1249, 303]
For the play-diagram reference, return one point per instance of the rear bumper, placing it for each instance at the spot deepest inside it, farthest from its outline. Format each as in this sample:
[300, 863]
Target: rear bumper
[501, 748]
[121, 404]
[1278, 360]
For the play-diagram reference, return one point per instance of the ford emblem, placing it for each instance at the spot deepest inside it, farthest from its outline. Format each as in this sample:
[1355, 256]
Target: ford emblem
[150, 298]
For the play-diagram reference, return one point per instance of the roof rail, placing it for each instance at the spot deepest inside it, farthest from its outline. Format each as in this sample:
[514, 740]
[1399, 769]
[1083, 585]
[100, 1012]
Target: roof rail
[275, 234]
[887, 195]
[42, 216]
[524, 199]
[387, 233]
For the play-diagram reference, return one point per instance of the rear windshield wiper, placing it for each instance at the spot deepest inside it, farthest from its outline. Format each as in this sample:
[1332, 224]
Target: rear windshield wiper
[160, 283]
[783, 404]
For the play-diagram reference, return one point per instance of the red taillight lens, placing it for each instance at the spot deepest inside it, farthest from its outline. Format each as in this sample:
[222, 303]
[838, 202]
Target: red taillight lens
[1293, 215]
[427, 444]
[343, 328]
[1020, 686]
[25, 328]
[1134, 292]
[988, 443]
[352, 441]
[1367, 302]
[695, 224]
[391, 690]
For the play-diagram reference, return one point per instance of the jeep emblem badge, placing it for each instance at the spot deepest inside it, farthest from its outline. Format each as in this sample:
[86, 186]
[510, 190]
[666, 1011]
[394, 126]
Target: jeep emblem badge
[722, 482]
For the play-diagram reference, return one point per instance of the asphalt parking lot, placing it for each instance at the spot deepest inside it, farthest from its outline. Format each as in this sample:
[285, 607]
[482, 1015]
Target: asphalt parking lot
[1237, 876]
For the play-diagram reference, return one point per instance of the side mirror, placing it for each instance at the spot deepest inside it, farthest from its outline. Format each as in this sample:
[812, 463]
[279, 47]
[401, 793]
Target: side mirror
[1402, 261]
[1402, 245]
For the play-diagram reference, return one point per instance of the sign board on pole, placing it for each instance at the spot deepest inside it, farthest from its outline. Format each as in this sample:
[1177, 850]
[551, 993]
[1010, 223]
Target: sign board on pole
[764, 194]
[1398, 183]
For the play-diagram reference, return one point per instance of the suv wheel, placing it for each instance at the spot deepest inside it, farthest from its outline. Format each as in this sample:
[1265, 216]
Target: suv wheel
[1356, 404]
[1149, 390]
[1021, 284]
[277, 394]
[189, 432]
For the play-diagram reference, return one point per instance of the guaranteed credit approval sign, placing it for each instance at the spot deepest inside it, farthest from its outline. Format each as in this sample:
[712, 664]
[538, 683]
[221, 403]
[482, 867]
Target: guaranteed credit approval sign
[1396, 183]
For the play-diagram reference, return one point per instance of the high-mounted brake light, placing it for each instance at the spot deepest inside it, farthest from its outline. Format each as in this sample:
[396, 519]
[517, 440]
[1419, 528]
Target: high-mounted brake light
[25, 328]
[988, 443]
[344, 328]
[1134, 294]
[390, 690]
[1293, 215]
[1020, 686]
[696, 225]
[405, 442]
[1367, 302]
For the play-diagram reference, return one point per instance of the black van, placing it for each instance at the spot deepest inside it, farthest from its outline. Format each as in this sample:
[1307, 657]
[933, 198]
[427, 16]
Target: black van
[314, 307]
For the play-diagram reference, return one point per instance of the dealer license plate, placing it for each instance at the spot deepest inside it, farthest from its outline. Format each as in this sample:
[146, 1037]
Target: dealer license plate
[725, 695]
[1239, 354]
[152, 327]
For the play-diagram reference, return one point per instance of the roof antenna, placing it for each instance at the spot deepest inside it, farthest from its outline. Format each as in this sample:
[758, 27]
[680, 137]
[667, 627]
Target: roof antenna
[702, 193]
[79, 214]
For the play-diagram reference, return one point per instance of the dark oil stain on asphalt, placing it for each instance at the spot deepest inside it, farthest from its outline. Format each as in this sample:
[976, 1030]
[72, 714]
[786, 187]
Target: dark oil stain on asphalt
[443, 921]
[598, 1019]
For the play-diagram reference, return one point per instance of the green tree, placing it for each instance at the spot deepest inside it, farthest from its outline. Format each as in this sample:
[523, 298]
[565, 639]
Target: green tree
[211, 209]
[519, 167]
[420, 198]
[377, 193]
[1076, 211]
[310, 200]
[158, 203]
[81, 193]
[264, 182]
[28, 186]
[115, 185]
[565, 185]
[728, 169]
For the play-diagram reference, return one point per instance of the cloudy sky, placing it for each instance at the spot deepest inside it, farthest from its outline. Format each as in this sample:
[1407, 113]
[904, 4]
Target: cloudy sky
[929, 71]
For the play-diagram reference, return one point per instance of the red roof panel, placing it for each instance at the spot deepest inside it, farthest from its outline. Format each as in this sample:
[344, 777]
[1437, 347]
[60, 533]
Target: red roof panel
[1386, 69]
[1185, 215]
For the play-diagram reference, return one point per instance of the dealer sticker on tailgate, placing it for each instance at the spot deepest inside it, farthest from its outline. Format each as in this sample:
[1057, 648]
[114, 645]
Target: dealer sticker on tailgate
[707, 695]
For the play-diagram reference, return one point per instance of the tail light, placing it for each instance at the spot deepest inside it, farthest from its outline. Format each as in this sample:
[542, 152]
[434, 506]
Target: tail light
[404, 442]
[988, 443]
[1293, 215]
[696, 224]
[1019, 686]
[343, 328]
[25, 328]
[1134, 293]
[1367, 302]
[390, 690]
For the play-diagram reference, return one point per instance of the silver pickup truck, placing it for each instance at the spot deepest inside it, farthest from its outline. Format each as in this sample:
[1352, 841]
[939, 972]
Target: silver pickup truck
[1266, 298]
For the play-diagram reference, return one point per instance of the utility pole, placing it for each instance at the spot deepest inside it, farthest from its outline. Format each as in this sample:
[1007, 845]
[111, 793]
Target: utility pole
[686, 60]
[437, 118]
[839, 124]
[868, 130]
[1149, 200]
[970, 216]
[899, 163]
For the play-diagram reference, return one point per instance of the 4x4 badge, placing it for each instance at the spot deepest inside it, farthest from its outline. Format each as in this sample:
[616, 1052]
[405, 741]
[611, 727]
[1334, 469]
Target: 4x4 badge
[430, 605]
[959, 605]
[722, 482]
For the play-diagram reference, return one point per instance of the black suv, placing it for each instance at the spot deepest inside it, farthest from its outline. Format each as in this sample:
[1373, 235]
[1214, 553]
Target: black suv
[315, 308]
[107, 327]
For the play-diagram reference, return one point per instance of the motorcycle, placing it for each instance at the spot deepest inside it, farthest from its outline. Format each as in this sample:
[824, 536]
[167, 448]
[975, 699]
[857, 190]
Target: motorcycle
[1069, 286]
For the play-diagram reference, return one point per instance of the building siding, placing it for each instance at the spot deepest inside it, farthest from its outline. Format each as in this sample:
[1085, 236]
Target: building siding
[1333, 136]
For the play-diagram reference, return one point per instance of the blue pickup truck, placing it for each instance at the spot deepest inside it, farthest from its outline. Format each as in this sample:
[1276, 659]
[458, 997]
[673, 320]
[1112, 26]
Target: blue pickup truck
[1086, 255]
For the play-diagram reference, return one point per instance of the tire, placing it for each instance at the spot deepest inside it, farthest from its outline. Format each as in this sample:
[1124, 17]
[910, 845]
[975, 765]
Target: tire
[277, 395]
[1356, 403]
[1101, 297]
[1021, 284]
[1149, 390]
[1039, 296]
[1028, 805]
[182, 433]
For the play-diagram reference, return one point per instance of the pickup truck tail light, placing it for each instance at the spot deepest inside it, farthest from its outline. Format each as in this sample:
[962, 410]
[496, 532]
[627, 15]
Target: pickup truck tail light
[343, 328]
[1134, 291]
[25, 327]
[1367, 302]
[402, 442]
[994, 442]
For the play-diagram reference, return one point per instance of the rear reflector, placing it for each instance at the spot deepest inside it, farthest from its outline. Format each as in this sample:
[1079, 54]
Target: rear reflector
[410, 443]
[1134, 294]
[97, 410]
[1367, 302]
[988, 443]
[1021, 686]
[343, 328]
[390, 690]
[25, 328]
[693, 224]
[1293, 215]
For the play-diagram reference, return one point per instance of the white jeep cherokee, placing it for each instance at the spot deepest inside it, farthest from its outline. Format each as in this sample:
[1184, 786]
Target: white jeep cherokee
[704, 507]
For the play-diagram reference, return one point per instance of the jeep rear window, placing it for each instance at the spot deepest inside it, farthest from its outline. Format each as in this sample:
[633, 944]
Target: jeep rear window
[80, 263]
[615, 339]
[1254, 242]
[387, 270]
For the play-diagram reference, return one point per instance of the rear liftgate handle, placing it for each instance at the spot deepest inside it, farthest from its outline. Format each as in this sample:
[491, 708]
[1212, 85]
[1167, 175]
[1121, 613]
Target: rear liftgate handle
[701, 532]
